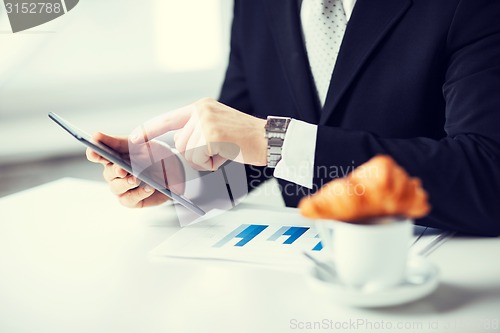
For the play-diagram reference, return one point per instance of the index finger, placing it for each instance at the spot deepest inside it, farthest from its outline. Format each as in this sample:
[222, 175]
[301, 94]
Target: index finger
[94, 157]
[162, 124]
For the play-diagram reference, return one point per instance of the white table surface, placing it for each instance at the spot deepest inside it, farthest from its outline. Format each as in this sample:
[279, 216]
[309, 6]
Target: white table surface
[73, 260]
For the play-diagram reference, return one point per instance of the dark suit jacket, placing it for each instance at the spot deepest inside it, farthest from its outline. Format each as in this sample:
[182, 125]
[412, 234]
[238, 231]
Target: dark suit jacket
[416, 79]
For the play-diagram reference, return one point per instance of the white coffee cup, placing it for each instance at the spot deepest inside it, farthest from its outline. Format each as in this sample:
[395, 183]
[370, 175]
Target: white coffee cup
[368, 256]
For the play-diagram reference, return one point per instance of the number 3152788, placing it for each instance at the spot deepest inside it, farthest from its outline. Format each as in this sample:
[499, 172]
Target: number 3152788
[33, 8]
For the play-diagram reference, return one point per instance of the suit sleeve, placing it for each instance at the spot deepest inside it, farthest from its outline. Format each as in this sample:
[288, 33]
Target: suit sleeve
[235, 92]
[461, 172]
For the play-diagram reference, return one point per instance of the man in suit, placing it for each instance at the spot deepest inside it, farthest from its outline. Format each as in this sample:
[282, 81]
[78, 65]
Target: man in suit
[418, 80]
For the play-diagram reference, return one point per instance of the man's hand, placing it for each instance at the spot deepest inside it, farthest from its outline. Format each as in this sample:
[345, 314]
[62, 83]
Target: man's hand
[122, 184]
[210, 133]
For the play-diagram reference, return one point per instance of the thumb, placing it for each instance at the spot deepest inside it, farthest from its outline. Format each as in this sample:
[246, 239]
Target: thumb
[227, 150]
[217, 162]
[162, 124]
[221, 152]
[118, 143]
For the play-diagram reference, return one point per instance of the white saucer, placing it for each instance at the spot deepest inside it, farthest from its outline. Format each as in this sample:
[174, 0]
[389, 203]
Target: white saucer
[422, 279]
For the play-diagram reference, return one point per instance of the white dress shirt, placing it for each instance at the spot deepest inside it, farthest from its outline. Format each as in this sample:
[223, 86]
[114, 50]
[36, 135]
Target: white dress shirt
[297, 158]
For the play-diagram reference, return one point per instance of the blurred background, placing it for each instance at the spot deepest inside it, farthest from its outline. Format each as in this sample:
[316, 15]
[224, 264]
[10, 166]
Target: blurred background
[108, 66]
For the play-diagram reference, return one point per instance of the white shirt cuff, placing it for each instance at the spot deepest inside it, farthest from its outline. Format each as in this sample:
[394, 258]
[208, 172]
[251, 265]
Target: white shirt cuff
[297, 157]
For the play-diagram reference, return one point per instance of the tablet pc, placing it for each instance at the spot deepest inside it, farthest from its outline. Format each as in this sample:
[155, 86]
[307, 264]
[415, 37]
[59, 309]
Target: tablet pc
[117, 158]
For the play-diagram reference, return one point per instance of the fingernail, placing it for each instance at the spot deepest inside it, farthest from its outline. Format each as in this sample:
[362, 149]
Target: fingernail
[148, 188]
[131, 180]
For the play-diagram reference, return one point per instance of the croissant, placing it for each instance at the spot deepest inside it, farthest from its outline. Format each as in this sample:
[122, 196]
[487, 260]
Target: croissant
[378, 188]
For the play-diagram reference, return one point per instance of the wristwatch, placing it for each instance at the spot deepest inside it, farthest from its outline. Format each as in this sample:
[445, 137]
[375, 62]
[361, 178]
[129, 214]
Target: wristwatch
[275, 133]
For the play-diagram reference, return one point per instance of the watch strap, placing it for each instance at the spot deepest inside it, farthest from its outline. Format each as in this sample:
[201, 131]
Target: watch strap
[276, 128]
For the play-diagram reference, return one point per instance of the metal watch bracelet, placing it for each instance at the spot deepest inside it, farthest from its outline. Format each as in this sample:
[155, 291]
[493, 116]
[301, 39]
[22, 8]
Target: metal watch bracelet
[276, 128]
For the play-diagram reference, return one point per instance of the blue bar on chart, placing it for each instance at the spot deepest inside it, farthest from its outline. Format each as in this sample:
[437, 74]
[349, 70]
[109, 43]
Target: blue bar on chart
[293, 232]
[246, 232]
[318, 246]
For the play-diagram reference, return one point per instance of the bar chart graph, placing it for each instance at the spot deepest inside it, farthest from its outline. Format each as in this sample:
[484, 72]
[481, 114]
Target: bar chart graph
[293, 232]
[284, 235]
[277, 238]
[245, 232]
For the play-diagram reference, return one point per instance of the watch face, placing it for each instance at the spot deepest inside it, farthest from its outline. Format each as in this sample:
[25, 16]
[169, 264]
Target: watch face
[277, 124]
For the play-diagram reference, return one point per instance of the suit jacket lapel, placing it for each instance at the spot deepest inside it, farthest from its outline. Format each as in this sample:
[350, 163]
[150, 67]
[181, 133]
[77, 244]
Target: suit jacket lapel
[284, 19]
[371, 20]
